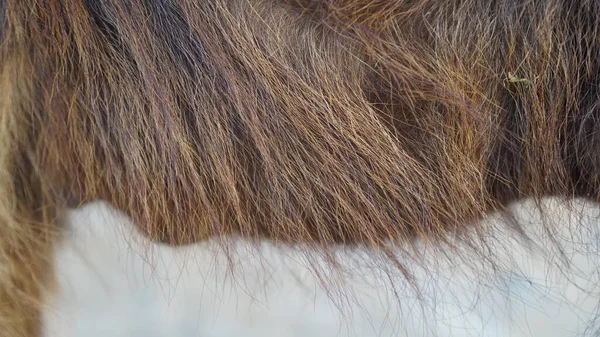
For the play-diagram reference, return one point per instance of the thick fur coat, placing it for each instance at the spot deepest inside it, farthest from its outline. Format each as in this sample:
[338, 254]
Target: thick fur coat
[365, 123]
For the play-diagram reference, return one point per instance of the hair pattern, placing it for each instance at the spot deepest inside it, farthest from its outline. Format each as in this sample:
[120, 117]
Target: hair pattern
[319, 122]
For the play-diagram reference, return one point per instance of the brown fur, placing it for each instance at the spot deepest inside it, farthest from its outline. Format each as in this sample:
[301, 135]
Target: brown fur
[364, 122]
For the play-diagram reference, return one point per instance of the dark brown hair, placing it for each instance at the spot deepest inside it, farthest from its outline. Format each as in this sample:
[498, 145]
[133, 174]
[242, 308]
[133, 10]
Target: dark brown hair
[307, 121]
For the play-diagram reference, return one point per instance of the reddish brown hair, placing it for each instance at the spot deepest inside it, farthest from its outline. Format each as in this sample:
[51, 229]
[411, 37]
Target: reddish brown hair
[308, 121]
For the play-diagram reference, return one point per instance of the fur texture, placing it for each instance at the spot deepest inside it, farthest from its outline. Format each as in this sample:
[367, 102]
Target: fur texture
[114, 282]
[364, 122]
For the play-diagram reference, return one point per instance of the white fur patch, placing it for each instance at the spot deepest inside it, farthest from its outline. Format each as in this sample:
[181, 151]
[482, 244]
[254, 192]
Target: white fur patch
[113, 282]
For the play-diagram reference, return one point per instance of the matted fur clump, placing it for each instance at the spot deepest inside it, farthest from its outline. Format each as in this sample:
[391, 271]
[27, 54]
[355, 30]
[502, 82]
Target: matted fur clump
[308, 121]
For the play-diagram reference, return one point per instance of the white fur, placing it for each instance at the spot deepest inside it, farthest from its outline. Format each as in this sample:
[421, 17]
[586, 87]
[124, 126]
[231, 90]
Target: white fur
[113, 282]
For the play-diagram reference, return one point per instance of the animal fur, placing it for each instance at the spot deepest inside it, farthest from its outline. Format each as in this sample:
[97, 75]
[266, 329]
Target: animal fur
[371, 123]
[113, 282]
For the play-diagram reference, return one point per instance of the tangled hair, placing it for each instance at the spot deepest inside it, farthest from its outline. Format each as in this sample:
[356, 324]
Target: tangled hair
[319, 122]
